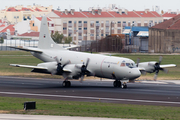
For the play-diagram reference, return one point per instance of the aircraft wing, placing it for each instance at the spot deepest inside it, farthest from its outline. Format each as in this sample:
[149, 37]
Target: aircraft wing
[67, 70]
[31, 49]
[141, 69]
[29, 66]
[168, 65]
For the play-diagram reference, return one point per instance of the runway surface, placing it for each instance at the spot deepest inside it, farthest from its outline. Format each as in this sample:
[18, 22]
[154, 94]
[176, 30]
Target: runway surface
[144, 92]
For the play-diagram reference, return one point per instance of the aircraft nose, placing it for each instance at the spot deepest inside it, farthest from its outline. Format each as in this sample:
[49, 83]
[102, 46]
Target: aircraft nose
[136, 73]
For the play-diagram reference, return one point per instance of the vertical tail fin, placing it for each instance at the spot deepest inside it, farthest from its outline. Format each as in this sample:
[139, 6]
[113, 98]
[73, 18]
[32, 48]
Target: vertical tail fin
[45, 40]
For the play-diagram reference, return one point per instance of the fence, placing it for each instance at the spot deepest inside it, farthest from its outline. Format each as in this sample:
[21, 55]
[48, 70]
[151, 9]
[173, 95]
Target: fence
[29, 43]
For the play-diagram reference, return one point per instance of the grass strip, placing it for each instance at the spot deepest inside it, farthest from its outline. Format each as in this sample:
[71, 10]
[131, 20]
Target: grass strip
[11, 105]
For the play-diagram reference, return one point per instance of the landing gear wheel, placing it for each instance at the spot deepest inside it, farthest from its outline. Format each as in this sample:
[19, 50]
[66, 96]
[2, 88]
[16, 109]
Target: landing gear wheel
[123, 86]
[66, 84]
[117, 84]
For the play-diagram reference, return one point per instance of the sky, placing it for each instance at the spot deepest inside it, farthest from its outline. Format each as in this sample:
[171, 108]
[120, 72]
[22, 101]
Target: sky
[130, 5]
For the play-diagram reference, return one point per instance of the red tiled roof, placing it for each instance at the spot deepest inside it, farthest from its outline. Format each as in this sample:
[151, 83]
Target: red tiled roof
[40, 18]
[1, 21]
[12, 9]
[2, 25]
[90, 15]
[10, 27]
[129, 14]
[108, 14]
[69, 15]
[156, 14]
[173, 23]
[32, 34]
[144, 14]
[168, 15]
[37, 9]
[26, 9]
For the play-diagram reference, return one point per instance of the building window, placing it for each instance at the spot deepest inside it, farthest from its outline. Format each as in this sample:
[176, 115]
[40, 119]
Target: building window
[119, 22]
[64, 21]
[124, 23]
[64, 28]
[70, 22]
[80, 22]
[85, 21]
[52, 25]
[85, 28]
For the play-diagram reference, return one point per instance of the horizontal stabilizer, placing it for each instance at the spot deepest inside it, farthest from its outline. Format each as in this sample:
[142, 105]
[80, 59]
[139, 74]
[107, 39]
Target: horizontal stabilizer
[28, 66]
[27, 49]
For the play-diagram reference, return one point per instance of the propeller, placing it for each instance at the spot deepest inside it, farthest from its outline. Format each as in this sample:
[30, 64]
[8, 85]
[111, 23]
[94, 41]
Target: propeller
[157, 68]
[138, 60]
[60, 67]
[84, 70]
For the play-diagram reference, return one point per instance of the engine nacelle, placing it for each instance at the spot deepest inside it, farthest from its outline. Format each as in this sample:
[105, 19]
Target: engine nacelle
[147, 66]
[71, 71]
[51, 68]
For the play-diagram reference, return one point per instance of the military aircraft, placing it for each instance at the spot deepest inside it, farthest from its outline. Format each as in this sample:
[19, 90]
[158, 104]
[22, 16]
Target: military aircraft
[75, 65]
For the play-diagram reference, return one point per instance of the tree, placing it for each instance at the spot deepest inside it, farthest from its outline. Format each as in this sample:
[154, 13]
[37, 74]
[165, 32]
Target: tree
[57, 37]
[1, 40]
[68, 40]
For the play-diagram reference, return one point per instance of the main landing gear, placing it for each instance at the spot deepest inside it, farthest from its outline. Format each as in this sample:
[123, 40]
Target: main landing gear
[66, 84]
[118, 83]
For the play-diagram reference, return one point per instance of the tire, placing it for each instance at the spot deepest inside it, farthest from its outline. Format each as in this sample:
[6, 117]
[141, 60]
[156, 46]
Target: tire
[68, 84]
[115, 83]
[64, 84]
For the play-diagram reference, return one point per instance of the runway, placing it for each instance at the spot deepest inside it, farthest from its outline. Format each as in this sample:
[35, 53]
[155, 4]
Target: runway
[144, 92]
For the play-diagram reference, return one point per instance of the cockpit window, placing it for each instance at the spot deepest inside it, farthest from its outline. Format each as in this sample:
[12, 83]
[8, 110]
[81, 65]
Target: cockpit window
[131, 65]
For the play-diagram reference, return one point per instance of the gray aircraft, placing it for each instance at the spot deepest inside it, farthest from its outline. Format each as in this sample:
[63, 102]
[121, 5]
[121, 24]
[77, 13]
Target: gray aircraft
[75, 65]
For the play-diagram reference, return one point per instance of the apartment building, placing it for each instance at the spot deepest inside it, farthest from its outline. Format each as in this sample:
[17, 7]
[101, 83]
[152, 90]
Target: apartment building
[20, 13]
[96, 24]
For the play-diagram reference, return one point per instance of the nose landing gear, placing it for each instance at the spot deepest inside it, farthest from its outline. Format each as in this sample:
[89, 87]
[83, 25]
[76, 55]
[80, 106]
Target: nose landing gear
[117, 83]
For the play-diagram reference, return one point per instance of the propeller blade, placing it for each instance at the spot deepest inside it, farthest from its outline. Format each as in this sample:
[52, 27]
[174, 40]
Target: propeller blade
[160, 59]
[87, 62]
[82, 77]
[165, 70]
[155, 77]
[138, 60]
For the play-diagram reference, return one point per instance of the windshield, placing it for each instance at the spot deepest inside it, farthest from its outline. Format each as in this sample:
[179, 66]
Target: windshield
[131, 65]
